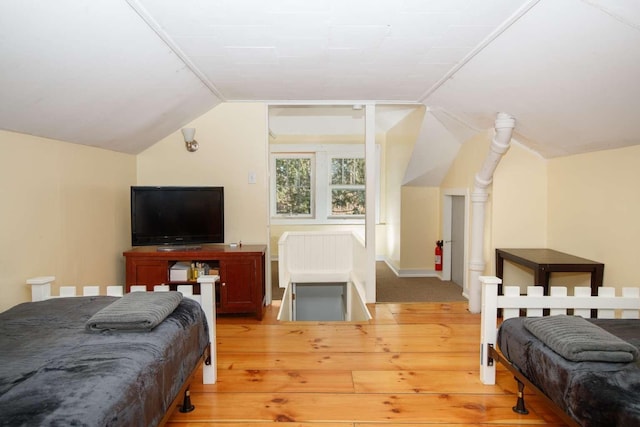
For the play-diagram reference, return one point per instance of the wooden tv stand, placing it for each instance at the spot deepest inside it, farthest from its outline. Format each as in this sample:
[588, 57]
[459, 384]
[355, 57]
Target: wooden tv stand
[241, 288]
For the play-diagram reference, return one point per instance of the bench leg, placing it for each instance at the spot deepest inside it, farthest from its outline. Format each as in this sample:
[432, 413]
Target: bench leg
[186, 402]
[520, 408]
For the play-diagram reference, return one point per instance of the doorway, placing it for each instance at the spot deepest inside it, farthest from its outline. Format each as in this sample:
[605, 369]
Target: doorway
[455, 217]
[457, 240]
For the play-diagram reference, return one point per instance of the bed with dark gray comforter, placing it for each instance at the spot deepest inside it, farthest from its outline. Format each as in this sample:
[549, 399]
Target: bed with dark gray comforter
[594, 393]
[55, 372]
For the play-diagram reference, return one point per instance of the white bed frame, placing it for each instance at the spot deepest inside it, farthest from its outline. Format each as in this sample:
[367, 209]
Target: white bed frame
[606, 304]
[41, 290]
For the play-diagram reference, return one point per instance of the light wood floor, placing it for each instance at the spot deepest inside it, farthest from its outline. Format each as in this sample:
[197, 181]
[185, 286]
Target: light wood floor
[412, 365]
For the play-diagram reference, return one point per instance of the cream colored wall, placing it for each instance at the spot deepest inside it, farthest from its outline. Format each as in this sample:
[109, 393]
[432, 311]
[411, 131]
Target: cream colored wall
[586, 205]
[470, 157]
[65, 213]
[419, 231]
[594, 209]
[519, 209]
[519, 200]
[233, 143]
[399, 145]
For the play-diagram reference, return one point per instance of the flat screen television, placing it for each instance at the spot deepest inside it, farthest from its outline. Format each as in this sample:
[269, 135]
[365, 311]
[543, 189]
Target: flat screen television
[177, 215]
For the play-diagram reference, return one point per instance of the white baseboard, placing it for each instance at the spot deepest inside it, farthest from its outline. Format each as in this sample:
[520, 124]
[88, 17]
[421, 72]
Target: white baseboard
[412, 272]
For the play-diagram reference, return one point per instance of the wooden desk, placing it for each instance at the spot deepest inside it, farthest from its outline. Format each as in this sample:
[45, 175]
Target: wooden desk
[543, 262]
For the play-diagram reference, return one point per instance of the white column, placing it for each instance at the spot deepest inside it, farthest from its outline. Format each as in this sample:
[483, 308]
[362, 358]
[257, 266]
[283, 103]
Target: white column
[370, 214]
[479, 198]
[504, 125]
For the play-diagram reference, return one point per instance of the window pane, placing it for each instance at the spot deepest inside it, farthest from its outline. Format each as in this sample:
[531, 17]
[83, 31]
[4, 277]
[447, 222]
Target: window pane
[347, 171]
[293, 186]
[347, 202]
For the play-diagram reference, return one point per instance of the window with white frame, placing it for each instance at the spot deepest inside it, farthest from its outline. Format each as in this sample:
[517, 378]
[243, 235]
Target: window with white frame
[317, 184]
[294, 190]
[347, 186]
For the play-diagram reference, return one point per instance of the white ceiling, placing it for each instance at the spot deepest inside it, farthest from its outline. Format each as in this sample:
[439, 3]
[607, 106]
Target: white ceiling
[123, 74]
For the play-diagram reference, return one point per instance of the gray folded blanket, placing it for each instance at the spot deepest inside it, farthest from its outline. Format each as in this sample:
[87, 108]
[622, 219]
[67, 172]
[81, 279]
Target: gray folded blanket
[579, 340]
[135, 311]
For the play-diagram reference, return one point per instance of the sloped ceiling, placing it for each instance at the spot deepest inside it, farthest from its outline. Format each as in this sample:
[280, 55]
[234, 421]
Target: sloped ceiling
[92, 73]
[123, 74]
[567, 71]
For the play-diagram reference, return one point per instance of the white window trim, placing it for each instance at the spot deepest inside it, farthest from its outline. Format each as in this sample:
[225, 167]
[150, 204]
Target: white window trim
[321, 204]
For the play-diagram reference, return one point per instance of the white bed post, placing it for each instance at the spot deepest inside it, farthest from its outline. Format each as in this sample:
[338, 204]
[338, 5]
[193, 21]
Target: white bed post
[488, 326]
[41, 287]
[208, 303]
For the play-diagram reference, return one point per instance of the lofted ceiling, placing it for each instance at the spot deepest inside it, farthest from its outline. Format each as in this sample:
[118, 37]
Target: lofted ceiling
[123, 74]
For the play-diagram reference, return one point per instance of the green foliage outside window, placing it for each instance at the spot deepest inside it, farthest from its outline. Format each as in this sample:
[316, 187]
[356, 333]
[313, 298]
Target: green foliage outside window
[347, 202]
[293, 186]
[347, 171]
[348, 186]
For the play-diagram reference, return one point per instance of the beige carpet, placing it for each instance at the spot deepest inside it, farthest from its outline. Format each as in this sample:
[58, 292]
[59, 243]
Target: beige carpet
[390, 288]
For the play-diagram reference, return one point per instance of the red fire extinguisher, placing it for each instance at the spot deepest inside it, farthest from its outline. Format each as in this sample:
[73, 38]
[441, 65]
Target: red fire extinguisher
[439, 244]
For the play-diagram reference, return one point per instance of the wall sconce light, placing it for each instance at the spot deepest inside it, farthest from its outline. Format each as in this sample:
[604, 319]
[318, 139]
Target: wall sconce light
[191, 144]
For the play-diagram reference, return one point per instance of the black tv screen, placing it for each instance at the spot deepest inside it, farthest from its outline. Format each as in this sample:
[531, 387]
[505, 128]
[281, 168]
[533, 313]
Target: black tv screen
[177, 215]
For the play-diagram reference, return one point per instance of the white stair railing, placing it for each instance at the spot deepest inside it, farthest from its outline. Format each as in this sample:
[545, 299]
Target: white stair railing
[324, 257]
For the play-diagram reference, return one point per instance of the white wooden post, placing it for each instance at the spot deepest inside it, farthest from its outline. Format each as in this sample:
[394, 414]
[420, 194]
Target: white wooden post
[630, 293]
[115, 291]
[488, 326]
[41, 287]
[208, 303]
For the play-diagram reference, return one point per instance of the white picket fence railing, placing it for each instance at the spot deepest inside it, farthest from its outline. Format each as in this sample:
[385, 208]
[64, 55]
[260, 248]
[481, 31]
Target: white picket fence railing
[533, 304]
